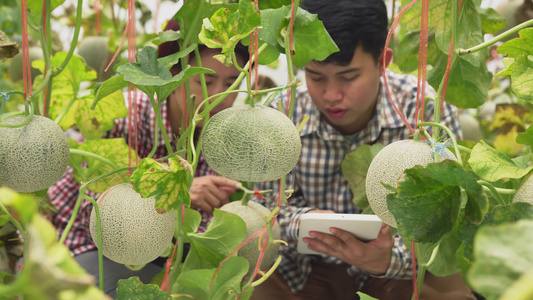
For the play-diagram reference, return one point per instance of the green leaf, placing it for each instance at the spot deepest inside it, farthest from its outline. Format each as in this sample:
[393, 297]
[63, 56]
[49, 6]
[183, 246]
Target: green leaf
[225, 232]
[94, 123]
[274, 26]
[445, 263]
[191, 14]
[92, 120]
[151, 75]
[364, 296]
[4, 219]
[224, 29]
[49, 268]
[170, 60]
[411, 19]
[522, 77]
[468, 85]
[168, 183]
[508, 67]
[493, 165]
[521, 288]
[502, 255]
[200, 283]
[428, 200]
[355, 167]
[307, 28]
[36, 6]
[526, 138]
[492, 22]
[133, 288]
[114, 150]
[501, 214]
[24, 205]
[168, 36]
[191, 222]
[518, 46]
[229, 277]
[406, 53]
[195, 283]
[265, 4]
[108, 87]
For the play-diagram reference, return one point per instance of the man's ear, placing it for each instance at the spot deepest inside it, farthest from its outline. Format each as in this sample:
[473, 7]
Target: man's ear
[386, 57]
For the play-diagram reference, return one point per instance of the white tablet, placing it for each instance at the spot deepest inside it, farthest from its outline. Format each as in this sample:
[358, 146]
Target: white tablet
[364, 227]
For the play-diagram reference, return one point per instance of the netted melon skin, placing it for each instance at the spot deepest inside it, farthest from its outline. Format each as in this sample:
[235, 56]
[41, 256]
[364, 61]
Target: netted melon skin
[133, 233]
[32, 157]
[387, 167]
[253, 215]
[525, 191]
[251, 144]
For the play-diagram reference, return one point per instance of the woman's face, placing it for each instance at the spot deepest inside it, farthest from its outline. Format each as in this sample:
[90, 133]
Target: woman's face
[217, 82]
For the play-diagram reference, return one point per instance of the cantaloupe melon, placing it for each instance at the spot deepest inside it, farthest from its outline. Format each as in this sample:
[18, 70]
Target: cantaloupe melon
[525, 191]
[253, 215]
[32, 157]
[97, 55]
[133, 233]
[15, 65]
[387, 167]
[251, 144]
[470, 127]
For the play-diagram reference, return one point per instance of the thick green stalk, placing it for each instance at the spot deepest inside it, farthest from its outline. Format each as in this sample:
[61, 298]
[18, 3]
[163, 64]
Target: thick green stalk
[98, 241]
[497, 38]
[496, 192]
[175, 269]
[65, 111]
[450, 134]
[290, 67]
[78, 201]
[74, 38]
[95, 156]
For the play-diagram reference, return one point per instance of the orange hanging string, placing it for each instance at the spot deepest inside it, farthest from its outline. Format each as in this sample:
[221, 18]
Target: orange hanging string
[45, 98]
[422, 61]
[98, 16]
[156, 17]
[26, 65]
[448, 67]
[393, 27]
[132, 108]
[289, 52]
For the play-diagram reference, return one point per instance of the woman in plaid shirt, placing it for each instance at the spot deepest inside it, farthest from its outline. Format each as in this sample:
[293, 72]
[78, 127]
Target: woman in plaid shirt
[207, 192]
[346, 100]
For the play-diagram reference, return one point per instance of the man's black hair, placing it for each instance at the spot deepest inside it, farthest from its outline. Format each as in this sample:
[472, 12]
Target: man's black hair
[351, 23]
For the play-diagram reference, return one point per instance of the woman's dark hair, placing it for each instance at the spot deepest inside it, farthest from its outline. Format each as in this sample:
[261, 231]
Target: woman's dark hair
[350, 23]
[168, 48]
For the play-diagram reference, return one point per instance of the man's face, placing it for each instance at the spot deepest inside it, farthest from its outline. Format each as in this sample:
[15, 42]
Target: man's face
[345, 95]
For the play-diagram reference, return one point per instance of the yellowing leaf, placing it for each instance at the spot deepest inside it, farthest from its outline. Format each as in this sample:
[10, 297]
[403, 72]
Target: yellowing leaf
[506, 142]
[508, 115]
[169, 183]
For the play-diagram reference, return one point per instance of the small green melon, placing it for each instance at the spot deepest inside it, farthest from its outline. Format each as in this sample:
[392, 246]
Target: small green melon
[97, 55]
[251, 143]
[15, 66]
[387, 167]
[253, 215]
[133, 232]
[32, 157]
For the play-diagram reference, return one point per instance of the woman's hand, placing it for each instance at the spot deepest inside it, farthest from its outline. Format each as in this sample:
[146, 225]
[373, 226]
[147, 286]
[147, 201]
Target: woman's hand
[210, 192]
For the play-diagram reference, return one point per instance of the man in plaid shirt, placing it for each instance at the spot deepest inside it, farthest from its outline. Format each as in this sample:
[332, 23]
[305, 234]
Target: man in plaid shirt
[347, 104]
[207, 192]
